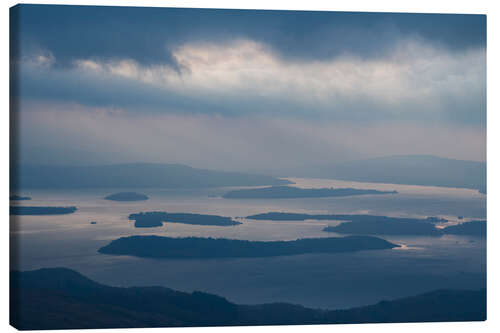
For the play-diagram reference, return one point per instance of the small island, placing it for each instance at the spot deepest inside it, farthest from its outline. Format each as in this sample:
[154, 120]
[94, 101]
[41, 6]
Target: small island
[15, 197]
[290, 192]
[127, 196]
[39, 210]
[195, 247]
[156, 219]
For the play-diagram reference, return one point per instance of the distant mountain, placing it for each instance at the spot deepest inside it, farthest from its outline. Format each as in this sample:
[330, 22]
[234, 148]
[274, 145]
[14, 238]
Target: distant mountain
[410, 169]
[131, 175]
[60, 298]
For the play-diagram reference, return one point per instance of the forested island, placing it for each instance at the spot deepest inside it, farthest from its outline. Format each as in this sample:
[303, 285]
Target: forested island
[283, 216]
[60, 298]
[385, 227]
[381, 225]
[15, 197]
[289, 192]
[39, 210]
[127, 196]
[472, 228]
[196, 247]
[388, 227]
[156, 219]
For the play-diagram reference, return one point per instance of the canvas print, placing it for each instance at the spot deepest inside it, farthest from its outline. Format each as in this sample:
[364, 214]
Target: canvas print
[208, 167]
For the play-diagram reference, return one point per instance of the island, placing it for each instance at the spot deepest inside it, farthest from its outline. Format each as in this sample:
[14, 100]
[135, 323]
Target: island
[127, 196]
[376, 225]
[385, 227]
[39, 210]
[290, 192]
[156, 219]
[283, 216]
[203, 248]
[61, 298]
[472, 228]
[15, 197]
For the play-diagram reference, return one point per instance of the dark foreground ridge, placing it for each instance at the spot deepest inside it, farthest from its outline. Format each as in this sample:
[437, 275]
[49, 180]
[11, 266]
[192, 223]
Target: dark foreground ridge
[127, 196]
[382, 225]
[195, 247]
[289, 192]
[15, 197]
[60, 298]
[156, 219]
[32, 210]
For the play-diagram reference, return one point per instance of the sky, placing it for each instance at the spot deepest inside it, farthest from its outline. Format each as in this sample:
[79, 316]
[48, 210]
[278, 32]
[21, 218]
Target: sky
[244, 89]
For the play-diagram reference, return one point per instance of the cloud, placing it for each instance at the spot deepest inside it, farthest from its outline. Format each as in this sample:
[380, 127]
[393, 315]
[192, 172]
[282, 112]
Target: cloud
[416, 82]
[148, 35]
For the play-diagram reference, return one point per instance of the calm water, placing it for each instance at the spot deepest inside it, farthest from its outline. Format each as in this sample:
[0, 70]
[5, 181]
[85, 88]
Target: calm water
[314, 280]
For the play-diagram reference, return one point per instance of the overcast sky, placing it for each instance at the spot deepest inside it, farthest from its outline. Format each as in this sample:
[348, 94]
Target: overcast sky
[245, 90]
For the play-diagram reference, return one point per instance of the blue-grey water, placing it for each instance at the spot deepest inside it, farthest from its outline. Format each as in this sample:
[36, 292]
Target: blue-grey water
[313, 280]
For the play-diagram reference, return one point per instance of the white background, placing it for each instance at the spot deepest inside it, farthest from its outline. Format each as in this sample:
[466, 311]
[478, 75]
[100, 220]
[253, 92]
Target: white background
[428, 6]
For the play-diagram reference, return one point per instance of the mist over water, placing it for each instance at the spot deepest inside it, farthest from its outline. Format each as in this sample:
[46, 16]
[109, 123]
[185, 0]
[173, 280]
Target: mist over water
[313, 280]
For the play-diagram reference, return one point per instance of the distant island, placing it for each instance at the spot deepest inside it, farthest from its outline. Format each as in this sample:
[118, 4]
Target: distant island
[17, 197]
[472, 228]
[289, 192]
[156, 219]
[390, 227]
[39, 210]
[381, 225]
[385, 227]
[60, 298]
[283, 216]
[195, 247]
[136, 175]
[127, 196]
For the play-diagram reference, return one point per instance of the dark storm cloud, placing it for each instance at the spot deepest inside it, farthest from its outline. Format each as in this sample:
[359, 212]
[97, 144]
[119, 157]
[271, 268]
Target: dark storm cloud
[148, 35]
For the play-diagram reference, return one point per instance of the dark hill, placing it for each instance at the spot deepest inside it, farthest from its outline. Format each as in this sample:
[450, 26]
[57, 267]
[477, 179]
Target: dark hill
[130, 176]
